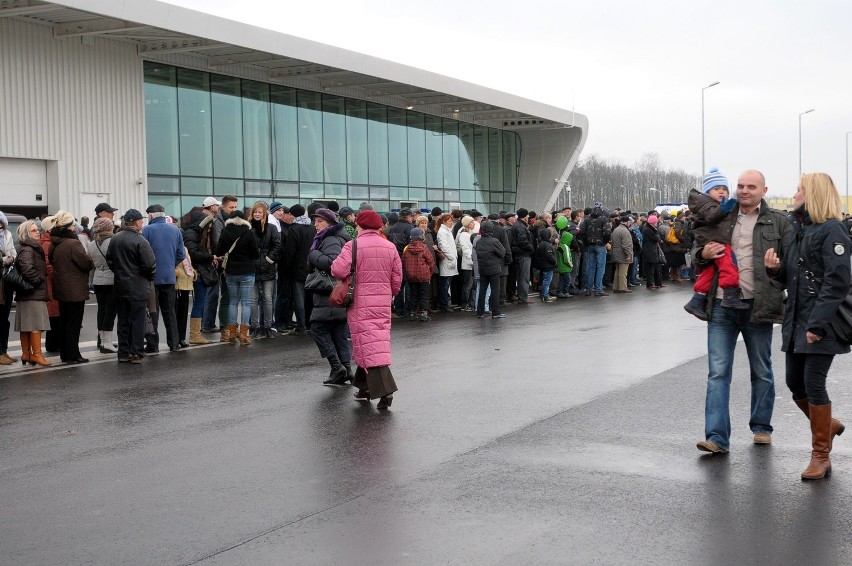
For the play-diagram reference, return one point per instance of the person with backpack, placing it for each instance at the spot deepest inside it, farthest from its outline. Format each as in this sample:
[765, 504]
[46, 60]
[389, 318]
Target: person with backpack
[596, 234]
[677, 240]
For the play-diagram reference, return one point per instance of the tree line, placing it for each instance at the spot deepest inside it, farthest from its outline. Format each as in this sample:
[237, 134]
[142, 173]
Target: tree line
[637, 188]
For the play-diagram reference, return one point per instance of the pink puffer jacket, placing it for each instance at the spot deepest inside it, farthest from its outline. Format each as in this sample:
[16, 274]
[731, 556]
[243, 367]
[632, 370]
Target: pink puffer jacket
[378, 277]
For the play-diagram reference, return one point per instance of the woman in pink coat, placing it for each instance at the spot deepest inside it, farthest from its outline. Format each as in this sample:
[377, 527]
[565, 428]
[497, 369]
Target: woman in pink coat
[378, 277]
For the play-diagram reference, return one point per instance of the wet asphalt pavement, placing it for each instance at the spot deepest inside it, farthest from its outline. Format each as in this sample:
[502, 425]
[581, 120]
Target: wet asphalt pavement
[564, 434]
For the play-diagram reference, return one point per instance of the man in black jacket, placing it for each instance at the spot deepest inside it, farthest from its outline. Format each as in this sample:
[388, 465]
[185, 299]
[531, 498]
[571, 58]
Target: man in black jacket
[400, 236]
[295, 258]
[131, 259]
[522, 250]
[501, 234]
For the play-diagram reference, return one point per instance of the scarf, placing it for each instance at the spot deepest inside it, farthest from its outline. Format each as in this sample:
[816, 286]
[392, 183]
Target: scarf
[319, 237]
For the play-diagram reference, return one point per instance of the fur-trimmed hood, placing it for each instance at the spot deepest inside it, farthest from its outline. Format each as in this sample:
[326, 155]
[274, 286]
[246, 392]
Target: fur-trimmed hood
[236, 220]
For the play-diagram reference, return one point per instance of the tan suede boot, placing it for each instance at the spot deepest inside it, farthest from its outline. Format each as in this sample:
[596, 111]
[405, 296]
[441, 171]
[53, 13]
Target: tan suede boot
[195, 336]
[35, 347]
[245, 339]
[232, 333]
[837, 427]
[225, 333]
[820, 466]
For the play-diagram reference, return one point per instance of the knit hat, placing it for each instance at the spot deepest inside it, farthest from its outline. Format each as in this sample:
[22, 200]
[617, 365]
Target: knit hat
[369, 220]
[62, 219]
[297, 210]
[466, 220]
[714, 179]
[436, 211]
[102, 225]
[652, 220]
[275, 206]
[416, 234]
[326, 214]
[345, 211]
[523, 213]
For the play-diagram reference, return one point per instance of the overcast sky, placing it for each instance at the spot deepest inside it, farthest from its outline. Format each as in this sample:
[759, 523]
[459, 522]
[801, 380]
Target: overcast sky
[635, 69]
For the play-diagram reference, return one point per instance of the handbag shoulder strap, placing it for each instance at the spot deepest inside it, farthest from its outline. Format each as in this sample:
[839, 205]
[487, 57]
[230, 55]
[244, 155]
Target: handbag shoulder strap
[354, 256]
[235, 243]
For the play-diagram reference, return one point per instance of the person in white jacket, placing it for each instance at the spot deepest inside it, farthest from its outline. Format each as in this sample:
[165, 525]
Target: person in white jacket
[465, 250]
[448, 267]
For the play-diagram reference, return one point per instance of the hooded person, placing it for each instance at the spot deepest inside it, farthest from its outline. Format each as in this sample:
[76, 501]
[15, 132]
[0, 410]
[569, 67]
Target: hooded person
[564, 263]
[712, 222]
[490, 254]
[545, 255]
[418, 263]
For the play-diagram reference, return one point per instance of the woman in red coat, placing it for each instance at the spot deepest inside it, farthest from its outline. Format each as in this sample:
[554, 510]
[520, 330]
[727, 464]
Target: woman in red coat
[378, 277]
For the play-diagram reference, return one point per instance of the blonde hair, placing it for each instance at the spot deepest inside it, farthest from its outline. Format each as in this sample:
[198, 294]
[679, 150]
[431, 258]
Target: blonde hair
[822, 201]
[24, 229]
[265, 208]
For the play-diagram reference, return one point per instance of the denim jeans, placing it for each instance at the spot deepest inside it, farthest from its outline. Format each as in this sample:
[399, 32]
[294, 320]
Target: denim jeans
[546, 279]
[211, 306]
[239, 292]
[564, 287]
[199, 299]
[444, 293]
[523, 264]
[297, 300]
[486, 288]
[261, 293]
[596, 265]
[722, 331]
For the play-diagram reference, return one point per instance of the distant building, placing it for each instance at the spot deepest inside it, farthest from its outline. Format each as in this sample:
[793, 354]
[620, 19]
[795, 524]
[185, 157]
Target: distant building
[138, 102]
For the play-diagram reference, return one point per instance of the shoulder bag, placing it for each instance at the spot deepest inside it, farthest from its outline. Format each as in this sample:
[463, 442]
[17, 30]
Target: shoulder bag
[14, 281]
[228, 254]
[344, 290]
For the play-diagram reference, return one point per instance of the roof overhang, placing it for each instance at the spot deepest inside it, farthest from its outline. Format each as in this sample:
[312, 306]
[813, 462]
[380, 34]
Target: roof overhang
[175, 35]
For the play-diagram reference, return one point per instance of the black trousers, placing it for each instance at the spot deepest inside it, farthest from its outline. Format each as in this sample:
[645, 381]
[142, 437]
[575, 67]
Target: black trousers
[283, 308]
[106, 307]
[182, 310]
[511, 281]
[5, 311]
[131, 327]
[494, 300]
[166, 296]
[419, 299]
[806, 376]
[70, 322]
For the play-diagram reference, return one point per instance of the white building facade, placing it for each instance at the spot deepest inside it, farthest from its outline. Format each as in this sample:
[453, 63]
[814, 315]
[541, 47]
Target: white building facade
[134, 102]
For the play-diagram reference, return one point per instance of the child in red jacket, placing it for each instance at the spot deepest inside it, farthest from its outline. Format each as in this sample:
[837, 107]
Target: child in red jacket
[418, 265]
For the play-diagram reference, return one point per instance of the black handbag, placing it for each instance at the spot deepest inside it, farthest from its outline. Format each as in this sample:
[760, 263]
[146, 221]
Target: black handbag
[208, 276]
[319, 282]
[14, 281]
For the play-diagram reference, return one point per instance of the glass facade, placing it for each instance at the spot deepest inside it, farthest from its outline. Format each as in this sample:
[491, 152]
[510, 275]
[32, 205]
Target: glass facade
[210, 134]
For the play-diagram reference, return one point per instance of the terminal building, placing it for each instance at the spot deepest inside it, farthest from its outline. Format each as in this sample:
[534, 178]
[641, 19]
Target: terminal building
[137, 101]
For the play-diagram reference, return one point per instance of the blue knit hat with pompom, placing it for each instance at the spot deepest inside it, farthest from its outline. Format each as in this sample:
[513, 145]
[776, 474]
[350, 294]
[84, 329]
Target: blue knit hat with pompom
[714, 179]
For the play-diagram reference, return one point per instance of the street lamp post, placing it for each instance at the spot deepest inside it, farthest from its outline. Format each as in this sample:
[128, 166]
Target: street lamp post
[703, 171]
[800, 138]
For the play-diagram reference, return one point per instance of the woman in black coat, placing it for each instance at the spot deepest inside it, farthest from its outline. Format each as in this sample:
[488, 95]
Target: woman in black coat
[265, 269]
[31, 316]
[816, 272]
[651, 261]
[328, 323]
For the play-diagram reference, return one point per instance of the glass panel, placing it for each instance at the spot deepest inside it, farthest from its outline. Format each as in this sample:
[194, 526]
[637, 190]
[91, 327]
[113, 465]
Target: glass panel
[334, 139]
[285, 133]
[399, 193]
[397, 147]
[163, 185]
[453, 195]
[417, 194]
[290, 190]
[311, 191]
[200, 186]
[467, 196]
[379, 193]
[359, 191]
[434, 151]
[257, 145]
[161, 119]
[451, 153]
[495, 159]
[510, 170]
[224, 187]
[377, 140]
[479, 156]
[172, 204]
[496, 197]
[356, 140]
[196, 140]
[226, 114]
[467, 176]
[336, 191]
[310, 136]
[259, 189]
[435, 194]
[416, 150]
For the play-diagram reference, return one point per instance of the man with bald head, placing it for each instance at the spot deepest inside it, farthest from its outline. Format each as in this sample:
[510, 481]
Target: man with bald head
[754, 228]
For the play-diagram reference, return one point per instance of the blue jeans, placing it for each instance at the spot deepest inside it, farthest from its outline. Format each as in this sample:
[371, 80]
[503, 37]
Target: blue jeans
[444, 293]
[239, 293]
[564, 287]
[199, 299]
[595, 267]
[546, 279]
[722, 331]
[486, 283]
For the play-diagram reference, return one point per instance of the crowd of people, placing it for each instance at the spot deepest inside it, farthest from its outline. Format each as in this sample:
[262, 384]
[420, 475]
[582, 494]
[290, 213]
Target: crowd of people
[273, 272]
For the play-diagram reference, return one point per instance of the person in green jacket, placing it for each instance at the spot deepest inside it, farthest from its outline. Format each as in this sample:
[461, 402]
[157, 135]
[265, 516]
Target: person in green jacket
[564, 265]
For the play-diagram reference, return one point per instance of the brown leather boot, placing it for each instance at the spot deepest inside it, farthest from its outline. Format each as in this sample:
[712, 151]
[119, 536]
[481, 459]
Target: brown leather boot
[35, 347]
[225, 333]
[837, 427]
[245, 339]
[195, 336]
[820, 466]
[25, 348]
[232, 333]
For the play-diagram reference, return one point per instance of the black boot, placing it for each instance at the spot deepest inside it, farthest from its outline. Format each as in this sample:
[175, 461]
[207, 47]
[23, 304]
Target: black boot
[349, 374]
[697, 306]
[731, 299]
[338, 374]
